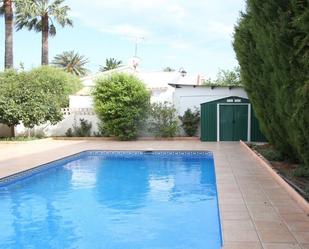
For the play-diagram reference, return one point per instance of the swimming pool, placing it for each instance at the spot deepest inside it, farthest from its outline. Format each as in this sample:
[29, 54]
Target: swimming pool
[113, 200]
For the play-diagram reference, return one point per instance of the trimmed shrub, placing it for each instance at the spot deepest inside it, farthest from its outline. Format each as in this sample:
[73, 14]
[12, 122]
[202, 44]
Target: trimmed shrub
[121, 102]
[163, 120]
[190, 121]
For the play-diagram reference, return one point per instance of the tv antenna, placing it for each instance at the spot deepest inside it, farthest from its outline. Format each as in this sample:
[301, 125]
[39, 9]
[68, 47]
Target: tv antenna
[137, 41]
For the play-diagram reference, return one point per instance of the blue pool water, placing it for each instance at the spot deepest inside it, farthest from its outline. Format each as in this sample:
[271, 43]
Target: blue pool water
[114, 200]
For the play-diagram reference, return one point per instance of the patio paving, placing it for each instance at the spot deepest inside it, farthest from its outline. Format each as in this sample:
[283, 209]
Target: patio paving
[256, 212]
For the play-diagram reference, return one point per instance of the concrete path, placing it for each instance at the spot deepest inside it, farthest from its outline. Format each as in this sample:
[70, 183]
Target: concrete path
[255, 211]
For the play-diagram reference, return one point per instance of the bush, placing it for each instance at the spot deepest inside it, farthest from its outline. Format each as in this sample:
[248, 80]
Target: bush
[163, 120]
[121, 102]
[57, 82]
[190, 121]
[102, 132]
[301, 172]
[34, 97]
[82, 130]
[69, 132]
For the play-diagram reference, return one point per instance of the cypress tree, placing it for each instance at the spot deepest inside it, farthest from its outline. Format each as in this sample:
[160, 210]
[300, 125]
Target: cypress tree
[271, 41]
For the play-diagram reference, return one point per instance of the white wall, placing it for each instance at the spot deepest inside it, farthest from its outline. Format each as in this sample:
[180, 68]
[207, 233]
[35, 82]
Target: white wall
[60, 128]
[81, 101]
[191, 97]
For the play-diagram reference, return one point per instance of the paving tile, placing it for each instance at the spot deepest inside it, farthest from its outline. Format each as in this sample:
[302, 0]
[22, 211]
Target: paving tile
[235, 215]
[304, 246]
[242, 245]
[271, 225]
[281, 246]
[302, 237]
[276, 236]
[272, 216]
[295, 217]
[240, 235]
[237, 225]
[231, 201]
[288, 209]
[300, 226]
[233, 207]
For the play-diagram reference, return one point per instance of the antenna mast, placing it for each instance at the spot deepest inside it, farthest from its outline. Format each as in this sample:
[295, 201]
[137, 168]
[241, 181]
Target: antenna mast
[137, 40]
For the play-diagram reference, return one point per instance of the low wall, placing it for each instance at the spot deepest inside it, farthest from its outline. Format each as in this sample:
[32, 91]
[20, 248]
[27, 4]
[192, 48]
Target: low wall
[71, 118]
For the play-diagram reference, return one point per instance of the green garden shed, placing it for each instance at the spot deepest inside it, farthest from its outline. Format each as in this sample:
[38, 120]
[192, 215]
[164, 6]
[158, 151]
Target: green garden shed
[229, 119]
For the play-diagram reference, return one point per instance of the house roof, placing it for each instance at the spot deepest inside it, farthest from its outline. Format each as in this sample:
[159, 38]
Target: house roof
[154, 80]
[177, 85]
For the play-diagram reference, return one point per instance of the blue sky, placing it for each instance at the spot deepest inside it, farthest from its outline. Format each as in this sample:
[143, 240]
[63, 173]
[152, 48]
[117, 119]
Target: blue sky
[195, 35]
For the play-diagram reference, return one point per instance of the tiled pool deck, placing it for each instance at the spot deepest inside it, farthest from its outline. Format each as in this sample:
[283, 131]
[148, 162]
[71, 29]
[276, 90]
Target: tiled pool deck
[256, 212]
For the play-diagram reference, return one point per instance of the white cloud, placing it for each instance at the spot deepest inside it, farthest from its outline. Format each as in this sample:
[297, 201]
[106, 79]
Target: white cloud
[223, 30]
[126, 30]
[192, 27]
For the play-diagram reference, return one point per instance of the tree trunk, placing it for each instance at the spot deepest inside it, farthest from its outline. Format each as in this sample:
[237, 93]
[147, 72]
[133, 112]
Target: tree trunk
[8, 14]
[12, 130]
[45, 34]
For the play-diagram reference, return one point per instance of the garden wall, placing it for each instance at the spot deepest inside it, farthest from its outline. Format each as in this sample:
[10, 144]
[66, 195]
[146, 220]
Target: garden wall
[71, 118]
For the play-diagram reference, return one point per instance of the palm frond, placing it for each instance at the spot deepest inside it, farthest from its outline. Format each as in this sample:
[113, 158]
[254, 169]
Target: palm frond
[30, 12]
[71, 62]
[110, 64]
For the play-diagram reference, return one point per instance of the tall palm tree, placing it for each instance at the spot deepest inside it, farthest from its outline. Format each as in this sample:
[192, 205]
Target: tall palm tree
[39, 15]
[110, 63]
[6, 9]
[71, 62]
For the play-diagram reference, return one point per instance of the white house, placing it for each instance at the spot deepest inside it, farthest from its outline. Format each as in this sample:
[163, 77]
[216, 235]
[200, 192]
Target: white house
[156, 81]
[81, 103]
[192, 96]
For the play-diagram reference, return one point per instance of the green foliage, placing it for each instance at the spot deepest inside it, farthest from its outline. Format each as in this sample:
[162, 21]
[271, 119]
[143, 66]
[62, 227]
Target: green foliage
[69, 132]
[190, 121]
[57, 82]
[71, 62]
[34, 97]
[225, 78]
[271, 43]
[20, 138]
[103, 132]
[11, 97]
[110, 64]
[301, 172]
[30, 14]
[24, 99]
[269, 153]
[121, 102]
[163, 120]
[81, 130]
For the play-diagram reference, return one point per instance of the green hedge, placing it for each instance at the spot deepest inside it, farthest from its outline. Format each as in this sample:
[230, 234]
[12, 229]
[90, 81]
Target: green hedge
[271, 43]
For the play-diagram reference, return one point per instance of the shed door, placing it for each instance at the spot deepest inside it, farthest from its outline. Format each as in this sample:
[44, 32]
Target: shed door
[233, 122]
